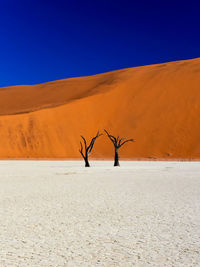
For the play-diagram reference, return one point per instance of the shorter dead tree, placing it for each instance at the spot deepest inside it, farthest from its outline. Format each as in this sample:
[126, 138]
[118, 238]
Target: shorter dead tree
[85, 152]
[117, 142]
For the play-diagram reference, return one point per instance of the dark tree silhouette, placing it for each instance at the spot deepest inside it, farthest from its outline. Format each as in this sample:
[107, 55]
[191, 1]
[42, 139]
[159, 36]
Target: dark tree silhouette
[87, 148]
[117, 142]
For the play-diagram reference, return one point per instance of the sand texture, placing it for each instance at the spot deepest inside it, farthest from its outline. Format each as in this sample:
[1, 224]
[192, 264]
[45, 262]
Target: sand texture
[61, 214]
[158, 105]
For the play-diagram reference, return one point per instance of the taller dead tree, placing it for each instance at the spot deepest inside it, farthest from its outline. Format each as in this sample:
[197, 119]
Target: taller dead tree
[85, 149]
[117, 142]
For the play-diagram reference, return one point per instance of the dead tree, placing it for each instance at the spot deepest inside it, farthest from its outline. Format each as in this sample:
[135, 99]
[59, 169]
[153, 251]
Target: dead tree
[87, 148]
[117, 142]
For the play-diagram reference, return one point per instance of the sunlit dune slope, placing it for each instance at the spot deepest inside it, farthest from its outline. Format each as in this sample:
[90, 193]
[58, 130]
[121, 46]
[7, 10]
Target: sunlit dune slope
[158, 105]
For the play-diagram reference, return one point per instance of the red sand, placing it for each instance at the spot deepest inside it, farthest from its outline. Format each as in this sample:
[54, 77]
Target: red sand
[158, 105]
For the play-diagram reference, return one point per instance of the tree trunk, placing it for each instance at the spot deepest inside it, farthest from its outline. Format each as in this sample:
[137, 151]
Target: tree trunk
[87, 162]
[116, 163]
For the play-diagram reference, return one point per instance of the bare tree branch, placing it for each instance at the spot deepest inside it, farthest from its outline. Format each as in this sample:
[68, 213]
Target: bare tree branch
[121, 140]
[129, 140]
[81, 150]
[117, 142]
[88, 149]
[85, 143]
[112, 138]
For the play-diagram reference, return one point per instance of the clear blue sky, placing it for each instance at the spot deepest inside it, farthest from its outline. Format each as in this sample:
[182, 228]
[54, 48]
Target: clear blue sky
[48, 40]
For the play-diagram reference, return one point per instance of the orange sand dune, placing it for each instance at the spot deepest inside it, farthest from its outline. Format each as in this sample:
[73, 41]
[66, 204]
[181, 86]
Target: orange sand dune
[158, 105]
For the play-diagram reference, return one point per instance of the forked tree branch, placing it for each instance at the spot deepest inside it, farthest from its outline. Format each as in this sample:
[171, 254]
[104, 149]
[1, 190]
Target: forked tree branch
[90, 147]
[112, 138]
[129, 140]
[117, 142]
[87, 148]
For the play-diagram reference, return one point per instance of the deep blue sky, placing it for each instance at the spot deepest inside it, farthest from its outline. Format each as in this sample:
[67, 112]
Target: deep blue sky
[48, 40]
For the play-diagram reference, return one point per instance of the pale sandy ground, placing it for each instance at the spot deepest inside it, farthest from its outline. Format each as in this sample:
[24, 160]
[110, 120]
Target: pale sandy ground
[61, 214]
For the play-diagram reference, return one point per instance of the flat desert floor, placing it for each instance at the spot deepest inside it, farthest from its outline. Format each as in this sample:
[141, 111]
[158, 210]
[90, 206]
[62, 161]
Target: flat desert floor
[58, 213]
